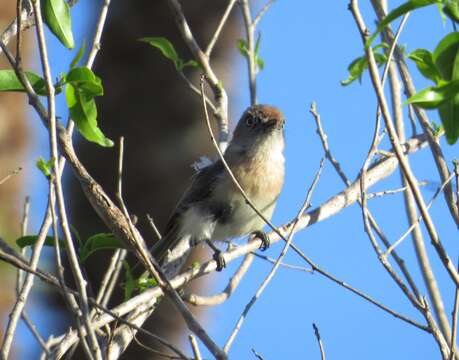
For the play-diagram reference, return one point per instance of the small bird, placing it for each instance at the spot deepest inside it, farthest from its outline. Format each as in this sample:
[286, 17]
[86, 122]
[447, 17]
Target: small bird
[213, 208]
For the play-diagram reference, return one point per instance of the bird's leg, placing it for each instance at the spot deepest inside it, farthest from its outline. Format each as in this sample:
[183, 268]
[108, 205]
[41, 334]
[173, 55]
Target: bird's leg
[218, 257]
[265, 242]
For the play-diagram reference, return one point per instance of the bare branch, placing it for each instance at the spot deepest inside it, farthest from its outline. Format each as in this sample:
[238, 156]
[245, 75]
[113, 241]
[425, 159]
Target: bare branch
[374, 75]
[195, 347]
[250, 36]
[257, 355]
[71, 252]
[284, 264]
[319, 341]
[220, 26]
[12, 173]
[262, 12]
[264, 284]
[229, 289]
[323, 137]
[416, 221]
[423, 119]
[35, 333]
[219, 92]
[454, 314]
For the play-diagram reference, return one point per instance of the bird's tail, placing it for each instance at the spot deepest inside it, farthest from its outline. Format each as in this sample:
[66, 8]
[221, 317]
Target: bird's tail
[170, 242]
[161, 248]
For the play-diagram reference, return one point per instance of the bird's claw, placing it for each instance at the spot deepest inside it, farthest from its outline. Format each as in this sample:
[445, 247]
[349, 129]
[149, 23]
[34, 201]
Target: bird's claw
[220, 260]
[265, 242]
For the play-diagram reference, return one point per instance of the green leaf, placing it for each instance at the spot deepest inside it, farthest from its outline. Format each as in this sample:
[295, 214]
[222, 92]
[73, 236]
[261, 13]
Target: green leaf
[56, 14]
[83, 111]
[76, 235]
[79, 55]
[130, 283]
[444, 55]
[144, 282]
[257, 44]
[30, 240]
[101, 241]
[166, 48]
[437, 129]
[44, 166]
[449, 112]
[359, 65]
[260, 63]
[441, 8]
[258, 60]
[451, 9]
[434, 96]
[356, 69]
[190, 63]
[425, 64]
[449, 115]
[85, 80]
[10, 82]
[396, 13]
[243, 48]
[446, 58]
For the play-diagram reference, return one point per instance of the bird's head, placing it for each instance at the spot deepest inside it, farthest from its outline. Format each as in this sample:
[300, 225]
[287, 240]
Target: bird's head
[259, 126]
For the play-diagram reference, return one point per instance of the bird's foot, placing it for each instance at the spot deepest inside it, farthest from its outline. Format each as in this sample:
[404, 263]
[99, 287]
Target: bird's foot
[265, 242]
[218, 256]
[220, 260]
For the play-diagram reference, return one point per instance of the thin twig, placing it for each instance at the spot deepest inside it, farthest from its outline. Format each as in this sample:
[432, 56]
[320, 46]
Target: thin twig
[284, 264]
[410, 89]
[452, 343]
[35, 333]
[410, 205]
[12, 173]
[420, 304]
[233, 178]
[367, 227]
[153, 226]
[110, 278]
[156, 271]
[257, 355]
[319, 341]
[68, 298]
[25, 289]
[24, 21]
[155, 352]
[456, 173]
[418, 220]
[221, 98]
[270, 275]
[195, 89]
[71, 252]
[262, 12]
[10, 256]
[323, 138]
[19, 35]
[195, 347]
[220, 26]
[374, 75]
[393, 191]
[227, 292]
[250, 40]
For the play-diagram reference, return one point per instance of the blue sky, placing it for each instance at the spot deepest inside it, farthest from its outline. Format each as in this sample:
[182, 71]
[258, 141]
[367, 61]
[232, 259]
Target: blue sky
[307, 47]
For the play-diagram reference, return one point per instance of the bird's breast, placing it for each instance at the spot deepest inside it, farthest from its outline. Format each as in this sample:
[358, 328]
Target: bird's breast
[262, 179]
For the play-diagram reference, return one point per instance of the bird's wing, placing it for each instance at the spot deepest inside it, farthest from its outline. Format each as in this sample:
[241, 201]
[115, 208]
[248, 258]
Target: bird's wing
[201, 187]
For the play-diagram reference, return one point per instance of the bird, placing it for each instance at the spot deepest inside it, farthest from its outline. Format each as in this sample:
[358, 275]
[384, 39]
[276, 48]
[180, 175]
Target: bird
[212, 208]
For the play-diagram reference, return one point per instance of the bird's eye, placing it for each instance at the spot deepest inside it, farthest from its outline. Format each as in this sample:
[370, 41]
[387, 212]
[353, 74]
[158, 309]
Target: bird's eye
[250, 121]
